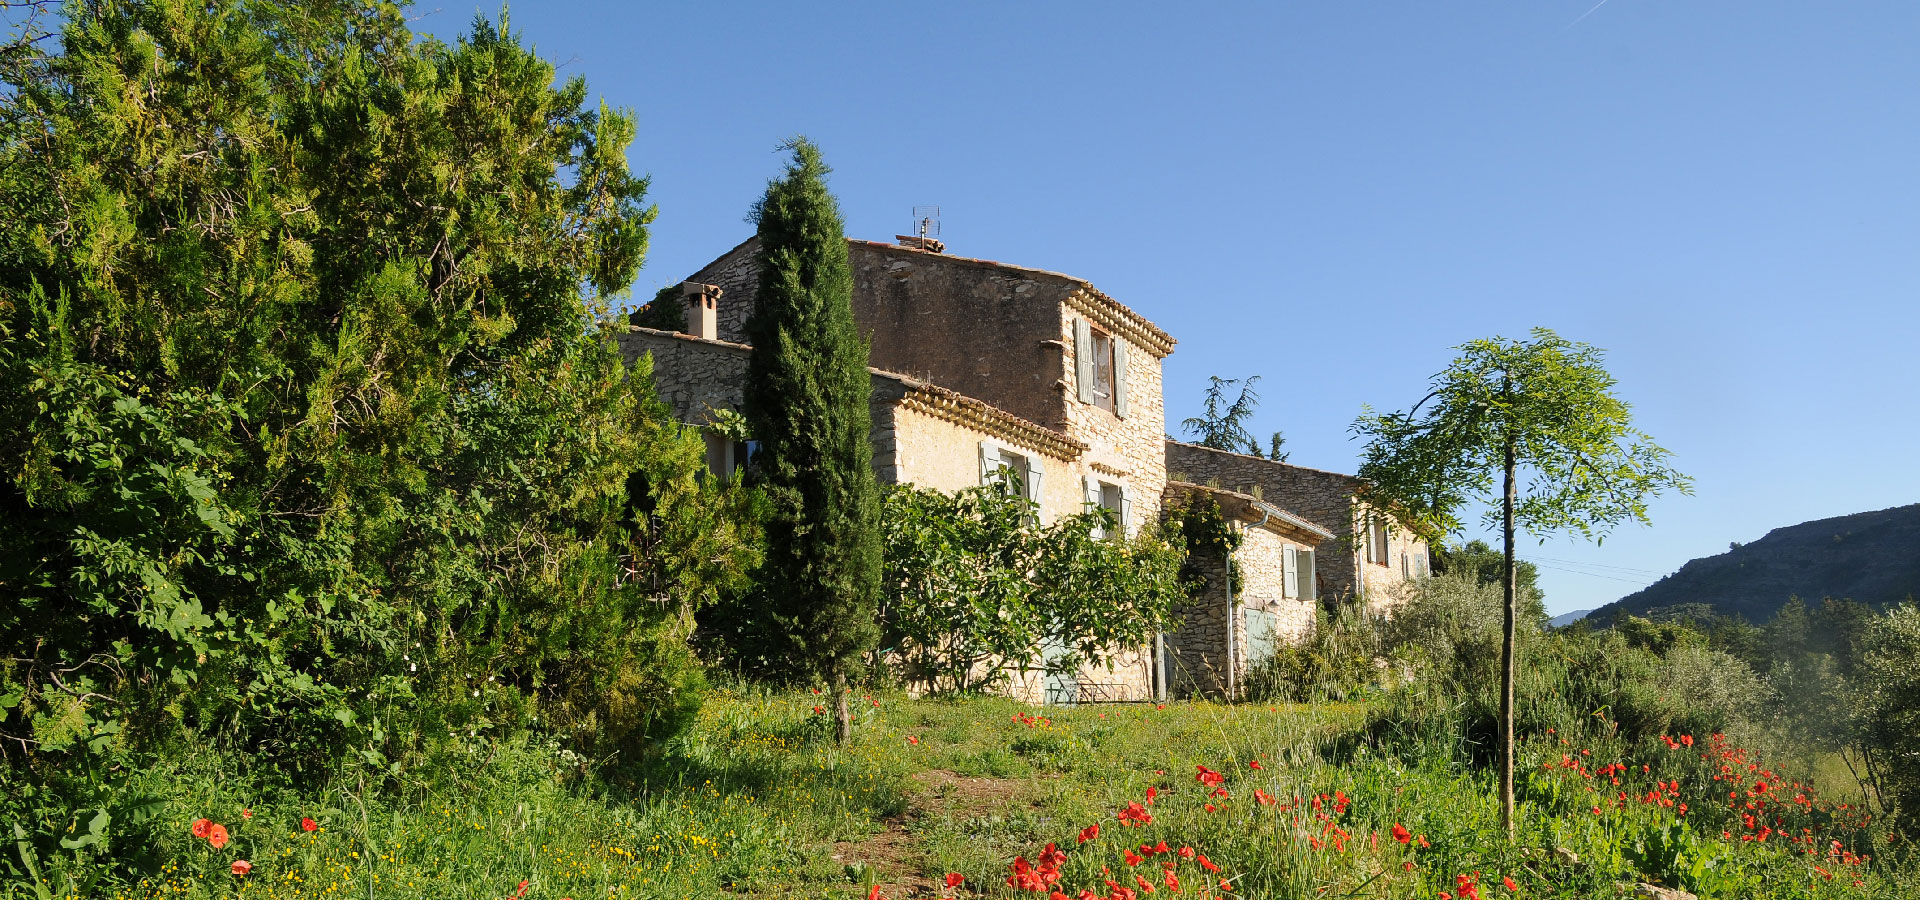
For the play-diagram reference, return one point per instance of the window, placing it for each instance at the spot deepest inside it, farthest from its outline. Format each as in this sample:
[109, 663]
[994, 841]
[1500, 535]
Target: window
[1377, 551]
[1297, 576]
[1100, 367]
[1011, 470]
[1113, 498]
[1102, 347]
[726, 457]
[1406, 565]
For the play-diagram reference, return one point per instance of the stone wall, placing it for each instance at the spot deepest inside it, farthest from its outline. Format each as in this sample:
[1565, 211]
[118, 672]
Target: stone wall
[1197, 650]
[1324, 498]
[1262, 561]
[977, 328]
[690, 374]
[737, 274]
[1127, 450]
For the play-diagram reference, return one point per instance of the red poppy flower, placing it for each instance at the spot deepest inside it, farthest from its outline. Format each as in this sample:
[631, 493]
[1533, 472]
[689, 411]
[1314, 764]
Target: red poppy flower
[217, 835]
[912, 740]
[1207, 864]
[1254, 765]
[1508, 879]
[1130, 858]
[874, 894]
[1152, 792]
[246, 813]
[521, 891]
[1145, 885]
[1401, 834]
[201, 827]
[1089, 833]
[1172, 881]
[954, 879]
[242, 867]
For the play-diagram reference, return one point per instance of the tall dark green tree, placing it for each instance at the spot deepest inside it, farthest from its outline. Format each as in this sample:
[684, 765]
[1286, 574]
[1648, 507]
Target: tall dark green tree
[806, 401]
[1541, 410]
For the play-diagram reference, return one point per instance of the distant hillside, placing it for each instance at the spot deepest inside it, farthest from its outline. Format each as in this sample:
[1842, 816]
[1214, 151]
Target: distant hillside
[1872, 557]
[1564, 619]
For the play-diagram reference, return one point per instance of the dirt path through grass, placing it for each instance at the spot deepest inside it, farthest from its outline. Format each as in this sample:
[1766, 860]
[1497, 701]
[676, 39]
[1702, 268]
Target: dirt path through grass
[895, 853]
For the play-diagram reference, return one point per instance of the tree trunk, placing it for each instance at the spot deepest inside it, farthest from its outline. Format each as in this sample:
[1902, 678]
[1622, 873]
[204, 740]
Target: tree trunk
[1507, 654]
[842, 710]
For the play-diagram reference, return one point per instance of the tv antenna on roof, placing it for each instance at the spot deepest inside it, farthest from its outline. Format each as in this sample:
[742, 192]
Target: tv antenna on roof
[926, 221]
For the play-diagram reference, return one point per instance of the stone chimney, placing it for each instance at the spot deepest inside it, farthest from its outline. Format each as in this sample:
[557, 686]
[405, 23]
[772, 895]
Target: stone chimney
[702, 303]
[920, 243]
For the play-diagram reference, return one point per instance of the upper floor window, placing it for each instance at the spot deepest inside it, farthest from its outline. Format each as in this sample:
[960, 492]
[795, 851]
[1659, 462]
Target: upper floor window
[1377, 550]
[1100, 367]
[1102, 370]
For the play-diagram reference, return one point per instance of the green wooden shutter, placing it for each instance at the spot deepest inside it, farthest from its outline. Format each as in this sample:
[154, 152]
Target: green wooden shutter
[1083, 359]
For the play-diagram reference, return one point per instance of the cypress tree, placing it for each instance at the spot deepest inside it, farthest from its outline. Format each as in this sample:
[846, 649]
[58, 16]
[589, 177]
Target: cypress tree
[806, 402]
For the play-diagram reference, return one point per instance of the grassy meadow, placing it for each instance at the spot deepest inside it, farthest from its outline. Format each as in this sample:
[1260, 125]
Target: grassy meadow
[1274, 801]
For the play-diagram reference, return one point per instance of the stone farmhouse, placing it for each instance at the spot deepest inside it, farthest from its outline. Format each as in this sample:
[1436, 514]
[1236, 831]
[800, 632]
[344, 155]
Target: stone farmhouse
[980, 369]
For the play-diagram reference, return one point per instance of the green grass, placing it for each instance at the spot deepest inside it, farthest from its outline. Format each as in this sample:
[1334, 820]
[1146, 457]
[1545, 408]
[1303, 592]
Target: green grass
[756, 801]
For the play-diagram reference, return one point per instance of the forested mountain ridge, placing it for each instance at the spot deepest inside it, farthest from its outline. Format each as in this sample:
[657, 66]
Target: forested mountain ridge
[1871, 557]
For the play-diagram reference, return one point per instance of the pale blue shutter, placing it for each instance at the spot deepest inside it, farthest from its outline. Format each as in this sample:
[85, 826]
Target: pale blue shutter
[1083, 359]
[1035, 470]
[1126, 512]
[989, 461]
[1119, 377]
[1309, 588]
[1290, 574]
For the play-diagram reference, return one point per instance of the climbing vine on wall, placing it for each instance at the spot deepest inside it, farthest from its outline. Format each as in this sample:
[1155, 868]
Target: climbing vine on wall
[1208, 536]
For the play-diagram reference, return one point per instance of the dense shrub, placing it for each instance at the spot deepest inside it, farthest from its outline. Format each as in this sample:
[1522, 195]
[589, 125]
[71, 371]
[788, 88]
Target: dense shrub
[1341, 660]
[1597, 684]
[315, 445]
[975, 588]
[1889, 707]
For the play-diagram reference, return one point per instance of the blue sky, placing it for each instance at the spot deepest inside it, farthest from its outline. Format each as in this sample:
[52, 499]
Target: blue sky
[1723, 195]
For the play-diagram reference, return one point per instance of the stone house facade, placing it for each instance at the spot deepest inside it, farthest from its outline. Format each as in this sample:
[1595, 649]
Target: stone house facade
[1367, 553]
[1227, 630]
[979, 369]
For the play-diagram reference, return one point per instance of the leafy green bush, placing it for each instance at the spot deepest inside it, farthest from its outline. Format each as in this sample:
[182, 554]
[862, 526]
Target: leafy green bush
[1596, 684]
[1341, 660]
[1889, 705]
[316, 445]
[975, 588]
